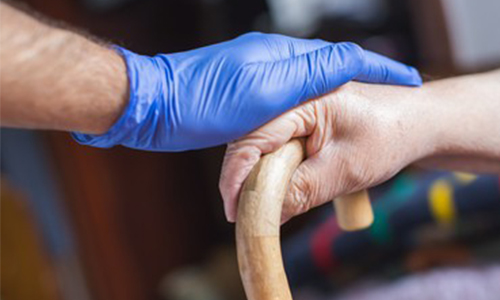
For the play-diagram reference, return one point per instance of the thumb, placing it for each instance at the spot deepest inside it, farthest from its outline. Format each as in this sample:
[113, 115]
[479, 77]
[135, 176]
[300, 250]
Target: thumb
[318, 180]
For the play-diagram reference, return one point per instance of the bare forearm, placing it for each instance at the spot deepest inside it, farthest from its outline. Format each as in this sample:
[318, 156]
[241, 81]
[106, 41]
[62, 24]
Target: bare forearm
[466, 114]
[56, 79]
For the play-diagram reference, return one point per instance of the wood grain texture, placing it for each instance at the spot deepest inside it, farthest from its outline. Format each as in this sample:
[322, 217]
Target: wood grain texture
[258, 224]
[259, 219]
[354, 211]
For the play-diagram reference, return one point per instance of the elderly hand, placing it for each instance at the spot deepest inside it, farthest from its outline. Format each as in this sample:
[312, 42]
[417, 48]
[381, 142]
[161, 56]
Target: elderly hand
[362, 134]
[358, 136]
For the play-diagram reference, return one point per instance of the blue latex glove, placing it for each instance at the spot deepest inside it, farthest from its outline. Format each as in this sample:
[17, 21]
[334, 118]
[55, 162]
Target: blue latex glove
[213, 95]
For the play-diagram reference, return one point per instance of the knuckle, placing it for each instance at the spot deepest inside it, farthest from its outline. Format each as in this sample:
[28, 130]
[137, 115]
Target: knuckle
[246, 155]
[355, 55]
[352, 47]
[253, 34]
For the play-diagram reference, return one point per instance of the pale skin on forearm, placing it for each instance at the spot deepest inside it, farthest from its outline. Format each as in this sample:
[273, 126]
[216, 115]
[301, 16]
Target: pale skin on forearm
[56, 79]
[466, 117]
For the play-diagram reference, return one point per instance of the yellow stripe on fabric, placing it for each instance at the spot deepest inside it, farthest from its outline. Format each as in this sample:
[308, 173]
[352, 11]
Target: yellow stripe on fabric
[441, 202]
[464, 178]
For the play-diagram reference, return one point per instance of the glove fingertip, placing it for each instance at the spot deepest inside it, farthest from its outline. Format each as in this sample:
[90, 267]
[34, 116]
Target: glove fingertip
[381, 69]
[414, 78]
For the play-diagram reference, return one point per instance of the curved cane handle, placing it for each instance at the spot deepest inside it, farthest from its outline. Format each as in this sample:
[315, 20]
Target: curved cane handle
[259, 219]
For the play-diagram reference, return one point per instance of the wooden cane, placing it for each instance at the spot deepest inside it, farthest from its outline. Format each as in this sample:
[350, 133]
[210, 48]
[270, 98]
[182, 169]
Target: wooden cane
[259, 219]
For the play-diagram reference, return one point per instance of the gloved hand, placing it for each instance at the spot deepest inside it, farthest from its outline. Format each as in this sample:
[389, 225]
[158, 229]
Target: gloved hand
[357, 136]
[215, 94]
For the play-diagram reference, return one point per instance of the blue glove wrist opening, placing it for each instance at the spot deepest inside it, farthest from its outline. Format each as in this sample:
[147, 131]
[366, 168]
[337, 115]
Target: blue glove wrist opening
[143, 88]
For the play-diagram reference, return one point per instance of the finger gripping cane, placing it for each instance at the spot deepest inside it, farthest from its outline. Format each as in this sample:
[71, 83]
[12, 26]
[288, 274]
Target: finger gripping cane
[259, 219]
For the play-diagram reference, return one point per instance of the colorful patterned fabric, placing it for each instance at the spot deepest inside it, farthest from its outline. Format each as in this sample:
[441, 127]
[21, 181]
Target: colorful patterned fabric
[421, 220]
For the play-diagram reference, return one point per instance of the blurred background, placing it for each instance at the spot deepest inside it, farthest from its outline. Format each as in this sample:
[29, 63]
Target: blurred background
[80, 223]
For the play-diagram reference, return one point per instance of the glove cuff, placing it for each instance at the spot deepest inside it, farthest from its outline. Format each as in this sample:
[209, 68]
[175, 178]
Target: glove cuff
[145, 79]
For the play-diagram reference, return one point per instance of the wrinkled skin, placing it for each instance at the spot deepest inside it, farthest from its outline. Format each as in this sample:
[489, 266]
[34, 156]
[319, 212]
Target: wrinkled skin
[357, 136]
